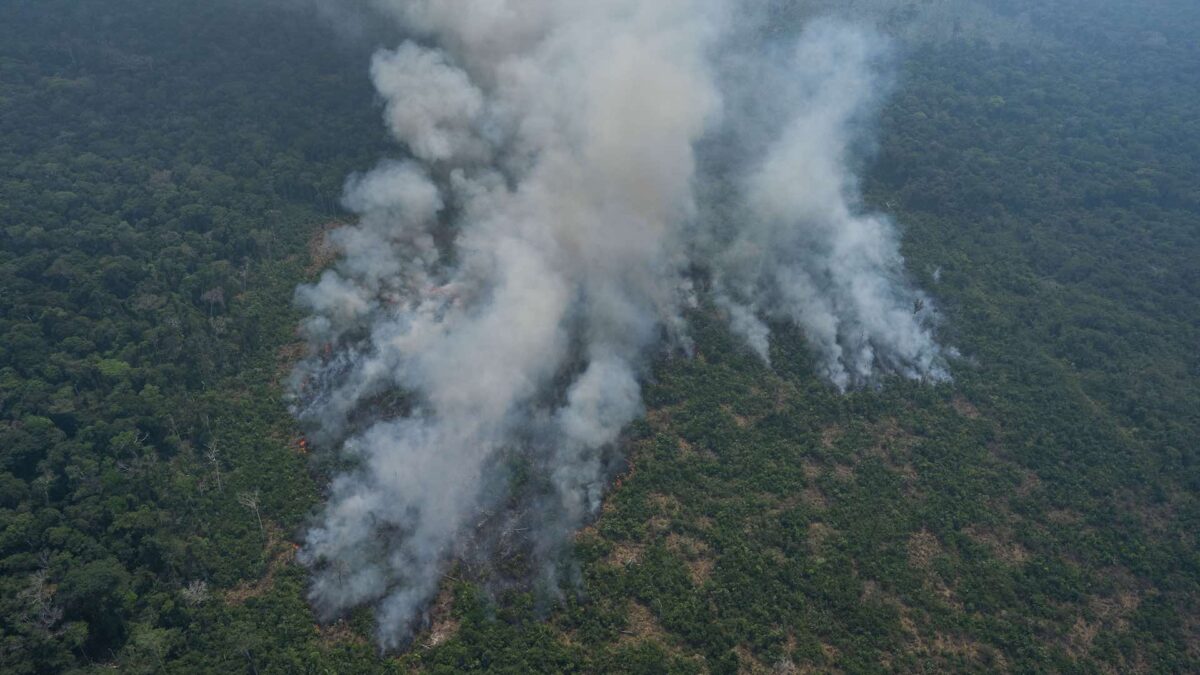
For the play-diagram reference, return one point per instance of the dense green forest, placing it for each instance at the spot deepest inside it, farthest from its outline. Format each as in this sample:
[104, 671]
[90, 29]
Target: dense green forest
[167, 170]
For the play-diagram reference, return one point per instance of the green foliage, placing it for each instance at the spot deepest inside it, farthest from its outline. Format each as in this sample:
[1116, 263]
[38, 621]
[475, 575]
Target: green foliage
[166, 165]
[160, 183]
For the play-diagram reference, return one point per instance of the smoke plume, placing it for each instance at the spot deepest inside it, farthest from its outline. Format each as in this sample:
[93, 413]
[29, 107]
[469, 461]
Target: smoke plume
[494, 306]
[794, 243]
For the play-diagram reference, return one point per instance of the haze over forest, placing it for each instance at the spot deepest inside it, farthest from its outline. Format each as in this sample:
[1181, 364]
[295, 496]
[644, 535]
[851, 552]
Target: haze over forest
[542, 336]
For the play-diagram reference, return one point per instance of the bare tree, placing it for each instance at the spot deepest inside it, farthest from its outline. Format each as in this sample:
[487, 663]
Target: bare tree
[211, 455]
[41, 612]
[250, 501]
[195, 593]
[214, 297]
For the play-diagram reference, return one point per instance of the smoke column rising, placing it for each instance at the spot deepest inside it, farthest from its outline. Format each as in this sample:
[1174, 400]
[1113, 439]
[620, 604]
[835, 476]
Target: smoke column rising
[504, 286]
[802, 249]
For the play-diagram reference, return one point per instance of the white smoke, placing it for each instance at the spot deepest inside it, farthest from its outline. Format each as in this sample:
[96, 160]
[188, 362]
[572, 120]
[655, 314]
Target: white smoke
[805, 250]
[502, 290]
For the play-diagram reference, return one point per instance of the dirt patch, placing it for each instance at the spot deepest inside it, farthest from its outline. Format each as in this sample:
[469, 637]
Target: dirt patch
[1115, 610]
[1191, 633]
[1159, 518]
[830, 436]
[811, 469]
[659, 419]
[665, 504]
[748, 663]
[658, 524]
[776, 555]
[282, 553]
[999, 543]
[818, 534]
[696, 554]
[923, 548]
[340, 632]
[1064, 517]
[700, 570]
[1104, 614]
[889, 433]
[892, 445]
[625, 554]
[628, 474]
[741, 421]
[955, 645]
[786, 666]
[288, 356]
[1029, 484]
[688, 450]
[1081, 636]
[814, 497]
[964, 407]
[778, 506]
[321, 251]
[641, 625]
[944, 651]
[442, 624]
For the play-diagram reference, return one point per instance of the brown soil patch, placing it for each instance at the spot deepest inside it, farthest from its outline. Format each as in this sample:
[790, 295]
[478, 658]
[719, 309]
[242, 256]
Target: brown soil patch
[748, 663]
[1191, 633]
[631, 471]
[282, 553]
[665, 504]
[818, 534]
[956, 645]
[1116, 610]
[1081, 636]
[814, 497]
[776, 555]
[888, 433]
[940, 646]
[442, 624]
[892, 445]
[659, 419]
[1000, 544]
[625, 554]
[811, 469]
[1158, 518]
[1064, 517]
[741, 421]
[964, 407]
[786, 666]
[339, 632]
[1029, 483]
[778, 506]
[321, 252]
[641, 625]
[696, 554]
[923, 547]
[688, 450]
[830, 436]
[288, 355]
[286, 358]
[1108, 614]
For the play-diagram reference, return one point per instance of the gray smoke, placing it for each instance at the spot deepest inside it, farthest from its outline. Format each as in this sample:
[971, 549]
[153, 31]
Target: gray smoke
[502, 289]
[797, 245]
